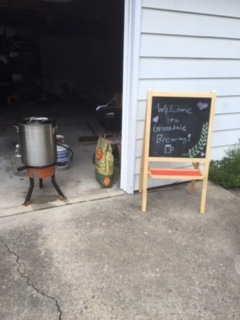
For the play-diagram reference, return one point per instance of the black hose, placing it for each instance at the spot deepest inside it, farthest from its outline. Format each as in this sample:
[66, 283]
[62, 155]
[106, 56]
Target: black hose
[67, 148]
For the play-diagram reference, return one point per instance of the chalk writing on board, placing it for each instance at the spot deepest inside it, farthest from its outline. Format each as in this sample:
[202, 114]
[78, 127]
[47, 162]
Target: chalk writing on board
[179, 126]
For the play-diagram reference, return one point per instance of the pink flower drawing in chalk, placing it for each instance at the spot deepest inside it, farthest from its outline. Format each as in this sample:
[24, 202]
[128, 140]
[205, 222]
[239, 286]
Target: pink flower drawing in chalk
[155, 119]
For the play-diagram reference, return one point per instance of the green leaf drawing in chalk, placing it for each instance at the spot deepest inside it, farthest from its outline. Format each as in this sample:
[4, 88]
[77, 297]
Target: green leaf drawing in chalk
[201, 143]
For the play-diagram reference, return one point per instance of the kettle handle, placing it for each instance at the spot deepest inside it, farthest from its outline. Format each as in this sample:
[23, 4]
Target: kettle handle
[54, 130]
[17, 127]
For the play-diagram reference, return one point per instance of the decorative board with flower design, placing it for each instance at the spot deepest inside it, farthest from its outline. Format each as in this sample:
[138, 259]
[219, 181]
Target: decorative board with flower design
[178, 129]
[179, 126]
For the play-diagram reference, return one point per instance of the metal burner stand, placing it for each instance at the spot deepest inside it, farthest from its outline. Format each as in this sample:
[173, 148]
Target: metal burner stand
[41, 173]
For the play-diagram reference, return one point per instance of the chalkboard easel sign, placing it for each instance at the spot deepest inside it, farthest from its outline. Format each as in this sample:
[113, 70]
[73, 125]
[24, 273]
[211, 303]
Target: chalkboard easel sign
[178, 128]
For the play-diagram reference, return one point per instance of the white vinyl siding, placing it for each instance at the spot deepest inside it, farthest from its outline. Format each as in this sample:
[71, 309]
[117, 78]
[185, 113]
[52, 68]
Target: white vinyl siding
[191, 46]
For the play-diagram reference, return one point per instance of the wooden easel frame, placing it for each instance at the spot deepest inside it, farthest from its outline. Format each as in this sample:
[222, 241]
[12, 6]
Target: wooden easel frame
[183, 174]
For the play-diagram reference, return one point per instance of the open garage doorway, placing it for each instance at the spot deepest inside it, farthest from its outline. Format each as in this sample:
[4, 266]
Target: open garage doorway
[59, 59]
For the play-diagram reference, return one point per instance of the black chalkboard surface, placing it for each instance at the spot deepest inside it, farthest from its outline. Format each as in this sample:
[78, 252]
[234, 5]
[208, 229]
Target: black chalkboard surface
[179, 126]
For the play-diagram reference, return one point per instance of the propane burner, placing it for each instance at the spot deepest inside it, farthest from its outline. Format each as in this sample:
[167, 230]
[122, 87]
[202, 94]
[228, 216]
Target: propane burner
[41, 173]
[37, 138]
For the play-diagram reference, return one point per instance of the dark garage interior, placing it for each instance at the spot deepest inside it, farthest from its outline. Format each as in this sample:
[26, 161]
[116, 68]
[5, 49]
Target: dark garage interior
[59, 59]
[60, 50]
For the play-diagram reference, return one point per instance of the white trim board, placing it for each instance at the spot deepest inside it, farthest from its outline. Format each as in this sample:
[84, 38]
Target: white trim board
[132, 28]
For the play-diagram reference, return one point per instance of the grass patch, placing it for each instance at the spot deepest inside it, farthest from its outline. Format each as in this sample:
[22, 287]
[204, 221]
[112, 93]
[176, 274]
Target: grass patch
[226, 172]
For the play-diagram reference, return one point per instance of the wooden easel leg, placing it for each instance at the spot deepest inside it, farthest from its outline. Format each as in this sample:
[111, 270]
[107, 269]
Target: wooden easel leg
[143, 167]
[192, 184]
[144, 200]
[204, 195]
[144, 185]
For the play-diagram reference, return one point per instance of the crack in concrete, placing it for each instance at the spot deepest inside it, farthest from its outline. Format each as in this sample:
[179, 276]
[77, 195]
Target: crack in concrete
[23, 275]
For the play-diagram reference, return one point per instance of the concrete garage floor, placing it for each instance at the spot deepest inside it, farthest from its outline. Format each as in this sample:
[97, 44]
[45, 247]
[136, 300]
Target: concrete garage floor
[77, 182]
[105, 260]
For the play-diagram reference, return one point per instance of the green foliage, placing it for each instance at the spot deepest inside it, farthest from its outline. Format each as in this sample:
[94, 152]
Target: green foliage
[226, 172]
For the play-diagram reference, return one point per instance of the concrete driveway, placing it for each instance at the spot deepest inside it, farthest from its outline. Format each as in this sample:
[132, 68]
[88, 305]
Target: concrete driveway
[105, 259]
